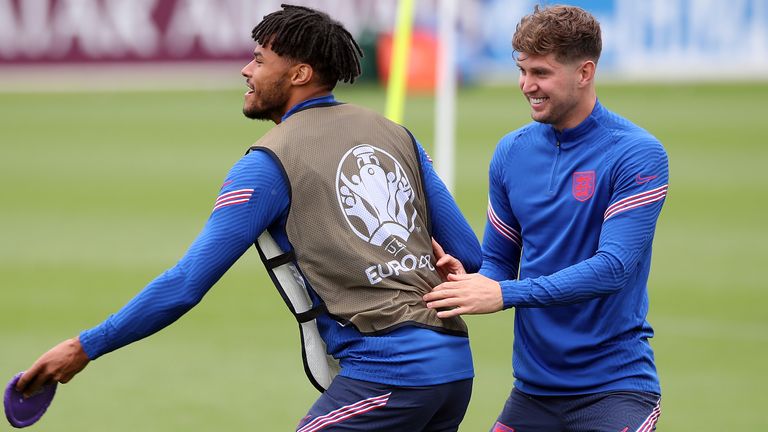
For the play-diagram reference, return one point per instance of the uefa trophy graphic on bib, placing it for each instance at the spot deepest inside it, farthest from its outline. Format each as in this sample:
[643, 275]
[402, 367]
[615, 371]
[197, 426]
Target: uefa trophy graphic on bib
[375, 195]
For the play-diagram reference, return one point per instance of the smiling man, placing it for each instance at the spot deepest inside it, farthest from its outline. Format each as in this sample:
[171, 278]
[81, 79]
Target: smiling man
[343, 205]
[573, 203]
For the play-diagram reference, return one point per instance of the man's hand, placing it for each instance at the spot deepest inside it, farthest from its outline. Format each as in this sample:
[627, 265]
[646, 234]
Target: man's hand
[465, 294]
[446, 264]
[61, 363]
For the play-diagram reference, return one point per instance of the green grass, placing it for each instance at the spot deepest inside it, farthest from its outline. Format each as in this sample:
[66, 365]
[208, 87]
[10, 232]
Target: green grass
[101, 192]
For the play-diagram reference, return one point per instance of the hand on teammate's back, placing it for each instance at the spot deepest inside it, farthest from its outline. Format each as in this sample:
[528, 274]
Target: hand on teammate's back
[465, 294]
[446, 264]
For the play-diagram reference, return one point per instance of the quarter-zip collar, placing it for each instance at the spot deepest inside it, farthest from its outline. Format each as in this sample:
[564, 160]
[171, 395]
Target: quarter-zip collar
[571, 137]
[328, 100]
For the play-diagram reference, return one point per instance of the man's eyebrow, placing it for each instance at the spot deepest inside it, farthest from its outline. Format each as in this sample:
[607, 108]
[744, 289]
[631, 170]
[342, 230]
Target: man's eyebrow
[522, 66]
[537, 69]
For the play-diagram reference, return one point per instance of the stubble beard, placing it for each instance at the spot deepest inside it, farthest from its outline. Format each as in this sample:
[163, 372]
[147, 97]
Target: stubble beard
[555, 114]
[273, 101]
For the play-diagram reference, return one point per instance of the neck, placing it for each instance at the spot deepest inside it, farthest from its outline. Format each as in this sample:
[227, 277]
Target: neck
[300, 95]
[580, 112]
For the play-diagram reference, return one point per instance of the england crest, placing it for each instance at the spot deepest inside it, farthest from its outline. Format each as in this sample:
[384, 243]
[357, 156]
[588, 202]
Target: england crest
[375, 195]
[583, 186]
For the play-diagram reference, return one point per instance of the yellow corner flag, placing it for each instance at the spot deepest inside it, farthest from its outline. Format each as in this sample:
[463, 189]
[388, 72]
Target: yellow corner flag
[398, 63]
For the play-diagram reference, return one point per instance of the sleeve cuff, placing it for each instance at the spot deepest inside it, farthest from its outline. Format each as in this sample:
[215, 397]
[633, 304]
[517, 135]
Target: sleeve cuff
[93, 341]
[509, 293]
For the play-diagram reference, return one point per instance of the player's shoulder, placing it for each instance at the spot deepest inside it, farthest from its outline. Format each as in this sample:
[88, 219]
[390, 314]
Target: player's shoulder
[258, 164]
[627, 134]
[256, 158]
[522, 133]
[519, 139]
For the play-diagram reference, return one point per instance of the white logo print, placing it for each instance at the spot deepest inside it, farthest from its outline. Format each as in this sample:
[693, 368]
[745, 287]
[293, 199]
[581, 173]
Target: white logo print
[376, 198]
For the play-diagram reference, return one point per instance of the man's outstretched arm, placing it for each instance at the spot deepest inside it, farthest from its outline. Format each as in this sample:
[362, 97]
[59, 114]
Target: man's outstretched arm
[253, 196]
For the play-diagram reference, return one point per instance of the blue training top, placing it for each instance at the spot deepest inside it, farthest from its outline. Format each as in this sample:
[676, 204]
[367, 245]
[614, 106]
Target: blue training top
[255, 197]
[576, 212]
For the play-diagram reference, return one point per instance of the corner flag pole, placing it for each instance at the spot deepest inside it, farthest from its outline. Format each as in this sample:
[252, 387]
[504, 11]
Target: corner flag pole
[398, 64]
[445, 97]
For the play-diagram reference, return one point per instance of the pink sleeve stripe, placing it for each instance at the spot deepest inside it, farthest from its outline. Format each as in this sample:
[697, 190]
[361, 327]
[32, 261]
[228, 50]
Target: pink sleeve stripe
[345, 412]
[231, 198]
[635, 201]
[503, 228]
[229, 203]
[234, 192]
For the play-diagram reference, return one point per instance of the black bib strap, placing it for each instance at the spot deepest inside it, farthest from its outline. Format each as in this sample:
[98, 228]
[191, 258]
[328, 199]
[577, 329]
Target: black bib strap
[282, 268]
[311, 314]
[279, 260]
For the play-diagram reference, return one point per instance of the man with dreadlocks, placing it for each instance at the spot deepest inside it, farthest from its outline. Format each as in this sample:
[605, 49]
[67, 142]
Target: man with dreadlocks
[343, 206]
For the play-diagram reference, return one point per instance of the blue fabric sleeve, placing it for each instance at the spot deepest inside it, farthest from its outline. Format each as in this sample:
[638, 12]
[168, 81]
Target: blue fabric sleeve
[449, 227]
[502, 241]
[625, 237]
[252, 197]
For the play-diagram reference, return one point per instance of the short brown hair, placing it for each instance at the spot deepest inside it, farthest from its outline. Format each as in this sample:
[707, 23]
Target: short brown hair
[571, 33]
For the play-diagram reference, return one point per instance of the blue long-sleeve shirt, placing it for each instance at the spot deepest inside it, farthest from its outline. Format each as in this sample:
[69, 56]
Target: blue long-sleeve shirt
[574, 213]
[255, 197]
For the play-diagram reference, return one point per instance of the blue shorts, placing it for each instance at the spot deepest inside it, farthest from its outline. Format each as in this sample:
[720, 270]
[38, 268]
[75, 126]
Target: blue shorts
[354, 405]
[615, 411]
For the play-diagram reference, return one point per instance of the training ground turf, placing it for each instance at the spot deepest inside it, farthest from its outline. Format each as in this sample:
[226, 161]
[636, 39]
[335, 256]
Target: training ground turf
[101, 192]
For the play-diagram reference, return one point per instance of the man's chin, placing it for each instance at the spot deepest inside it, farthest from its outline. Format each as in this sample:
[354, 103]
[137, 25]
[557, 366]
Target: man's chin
[255, 114]
[541, 117]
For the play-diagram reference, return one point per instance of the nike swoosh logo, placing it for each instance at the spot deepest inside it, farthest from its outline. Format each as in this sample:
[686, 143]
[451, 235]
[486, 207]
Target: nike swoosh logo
[643, 179]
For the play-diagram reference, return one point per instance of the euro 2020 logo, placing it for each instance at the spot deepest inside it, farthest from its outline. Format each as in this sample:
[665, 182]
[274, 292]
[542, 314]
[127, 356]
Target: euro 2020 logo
[375, 195]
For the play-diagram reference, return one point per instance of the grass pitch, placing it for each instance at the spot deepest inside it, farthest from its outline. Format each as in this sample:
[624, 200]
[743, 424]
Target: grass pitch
[101, 192]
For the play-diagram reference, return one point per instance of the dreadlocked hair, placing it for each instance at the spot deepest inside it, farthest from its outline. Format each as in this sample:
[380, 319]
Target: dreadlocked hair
[309, 36]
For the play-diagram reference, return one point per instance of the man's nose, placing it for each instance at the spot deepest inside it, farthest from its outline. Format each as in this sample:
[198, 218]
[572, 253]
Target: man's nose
[244, 70]
[527, 83]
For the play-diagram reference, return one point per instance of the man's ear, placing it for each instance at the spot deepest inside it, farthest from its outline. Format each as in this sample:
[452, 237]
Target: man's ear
[302, 74]
[587, 73]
